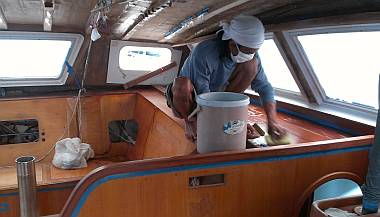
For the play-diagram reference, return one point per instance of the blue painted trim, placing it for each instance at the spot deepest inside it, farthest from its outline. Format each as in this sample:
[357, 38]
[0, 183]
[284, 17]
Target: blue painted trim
[4, 207]
[312, 119]
[96, 184]
[40, 190]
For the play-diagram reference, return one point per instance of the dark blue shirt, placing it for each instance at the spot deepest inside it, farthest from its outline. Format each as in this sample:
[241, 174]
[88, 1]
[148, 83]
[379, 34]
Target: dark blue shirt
[209, 67]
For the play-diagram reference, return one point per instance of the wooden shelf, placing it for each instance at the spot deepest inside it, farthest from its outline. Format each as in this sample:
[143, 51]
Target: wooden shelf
[47, 174]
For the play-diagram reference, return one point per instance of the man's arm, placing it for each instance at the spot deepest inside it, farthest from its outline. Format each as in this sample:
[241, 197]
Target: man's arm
[262, 86]
[193, 75]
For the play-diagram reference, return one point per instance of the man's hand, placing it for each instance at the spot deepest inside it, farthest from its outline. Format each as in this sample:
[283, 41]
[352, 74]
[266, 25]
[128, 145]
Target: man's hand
[191, 130]
[275, 130]
[251, 132]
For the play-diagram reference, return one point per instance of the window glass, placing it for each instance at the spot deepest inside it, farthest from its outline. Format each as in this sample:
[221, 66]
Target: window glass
[275, 67]
[347, 65]
[20, 59]
[144, 58]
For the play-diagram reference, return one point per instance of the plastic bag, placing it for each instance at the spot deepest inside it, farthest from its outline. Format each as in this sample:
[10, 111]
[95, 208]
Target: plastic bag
[70, 153]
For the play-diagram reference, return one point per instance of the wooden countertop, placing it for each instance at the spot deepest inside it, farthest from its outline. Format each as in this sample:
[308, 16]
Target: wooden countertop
[47, 174]
[300, 131]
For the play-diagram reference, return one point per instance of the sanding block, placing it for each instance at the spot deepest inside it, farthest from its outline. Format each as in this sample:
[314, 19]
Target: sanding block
[283, 141]
[258, 129]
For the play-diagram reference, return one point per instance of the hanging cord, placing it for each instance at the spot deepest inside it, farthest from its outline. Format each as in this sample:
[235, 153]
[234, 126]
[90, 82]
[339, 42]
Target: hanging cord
[66, 127]
[82, 85]
[76, 106]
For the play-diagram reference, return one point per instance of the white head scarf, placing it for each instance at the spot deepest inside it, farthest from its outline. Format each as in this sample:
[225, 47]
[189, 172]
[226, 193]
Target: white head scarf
[245, 30]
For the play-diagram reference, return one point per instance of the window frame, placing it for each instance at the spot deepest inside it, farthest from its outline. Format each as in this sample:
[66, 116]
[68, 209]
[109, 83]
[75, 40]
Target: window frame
[347, 110]
[76, 44]
[115, 70]
[282, 93]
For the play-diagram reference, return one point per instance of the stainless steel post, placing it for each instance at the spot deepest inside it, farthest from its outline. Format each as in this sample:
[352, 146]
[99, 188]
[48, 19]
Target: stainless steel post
[26, 178]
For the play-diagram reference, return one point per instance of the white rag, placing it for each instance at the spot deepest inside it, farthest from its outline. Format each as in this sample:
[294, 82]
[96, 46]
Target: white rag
[334, 212]
[71, 153]
[245, 30]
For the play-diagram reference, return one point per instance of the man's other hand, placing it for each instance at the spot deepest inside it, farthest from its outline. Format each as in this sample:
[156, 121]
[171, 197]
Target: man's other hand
[191, 130]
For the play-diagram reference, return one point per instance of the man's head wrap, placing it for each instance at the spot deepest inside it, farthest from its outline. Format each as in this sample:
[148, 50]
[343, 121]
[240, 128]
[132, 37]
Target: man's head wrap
[245, 30]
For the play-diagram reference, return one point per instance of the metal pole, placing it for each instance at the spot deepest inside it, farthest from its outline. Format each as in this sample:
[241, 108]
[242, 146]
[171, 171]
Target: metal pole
[26, 178]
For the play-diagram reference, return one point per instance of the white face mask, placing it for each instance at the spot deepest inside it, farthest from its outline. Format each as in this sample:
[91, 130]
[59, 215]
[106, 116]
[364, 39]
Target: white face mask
[241, 57]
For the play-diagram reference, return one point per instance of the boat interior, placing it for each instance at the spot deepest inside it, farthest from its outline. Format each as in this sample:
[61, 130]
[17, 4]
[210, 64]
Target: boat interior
[87, 73]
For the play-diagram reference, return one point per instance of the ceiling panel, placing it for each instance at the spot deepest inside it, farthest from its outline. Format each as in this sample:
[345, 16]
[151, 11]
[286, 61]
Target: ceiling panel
[68, 13]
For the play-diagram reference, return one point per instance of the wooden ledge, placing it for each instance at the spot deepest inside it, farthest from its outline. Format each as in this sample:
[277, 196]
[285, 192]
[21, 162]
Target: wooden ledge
[47, 174]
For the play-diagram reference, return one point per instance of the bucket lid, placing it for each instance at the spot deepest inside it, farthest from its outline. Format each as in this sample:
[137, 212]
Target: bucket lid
[222, 99]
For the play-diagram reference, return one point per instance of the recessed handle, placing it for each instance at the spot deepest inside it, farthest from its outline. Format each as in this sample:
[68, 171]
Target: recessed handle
[206, 181]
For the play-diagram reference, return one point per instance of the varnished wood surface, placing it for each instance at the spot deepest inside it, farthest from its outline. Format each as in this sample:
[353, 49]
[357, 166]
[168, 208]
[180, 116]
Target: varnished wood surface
[47, 174]
[300, 131]
[98, 112]
[54, 186]
[53, 116]
[160, 135]
[8, 178]
[338, 122]
[50, 199]
[249, 190]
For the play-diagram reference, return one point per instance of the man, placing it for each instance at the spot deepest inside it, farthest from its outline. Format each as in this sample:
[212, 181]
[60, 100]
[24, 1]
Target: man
[227, 63]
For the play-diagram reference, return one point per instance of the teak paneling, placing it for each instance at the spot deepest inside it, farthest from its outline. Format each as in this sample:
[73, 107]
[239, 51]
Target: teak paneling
[144, 115]
[50, 200]
[98, 111]
[52, 115]
[263, 182]
[166, 139]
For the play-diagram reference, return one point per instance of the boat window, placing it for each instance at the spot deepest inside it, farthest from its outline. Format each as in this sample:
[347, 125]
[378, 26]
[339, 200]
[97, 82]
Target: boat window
[275, 67]
[337, 188]
[129, 60]
[346, 65]
[144, 58]
[19, 131]
[34, 59]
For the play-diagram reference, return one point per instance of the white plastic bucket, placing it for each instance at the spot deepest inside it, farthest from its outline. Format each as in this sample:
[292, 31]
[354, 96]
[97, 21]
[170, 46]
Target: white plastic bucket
[221, 121]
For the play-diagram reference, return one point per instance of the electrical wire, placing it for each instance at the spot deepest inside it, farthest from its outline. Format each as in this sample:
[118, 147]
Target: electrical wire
[66, 127]
[74, 111]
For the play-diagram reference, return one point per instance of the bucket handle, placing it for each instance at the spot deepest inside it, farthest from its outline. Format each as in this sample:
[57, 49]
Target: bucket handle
[193, 113]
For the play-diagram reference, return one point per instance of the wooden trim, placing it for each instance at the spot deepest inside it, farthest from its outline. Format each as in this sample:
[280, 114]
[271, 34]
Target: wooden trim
[39, 28]
[321, 181]
[359, 18]
[208, 17]
[219, 157]
[306, 87]
[196, 40]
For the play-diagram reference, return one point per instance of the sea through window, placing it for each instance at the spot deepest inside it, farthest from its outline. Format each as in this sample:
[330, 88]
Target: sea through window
[275, 67]
[346, 64]
[144, 58]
